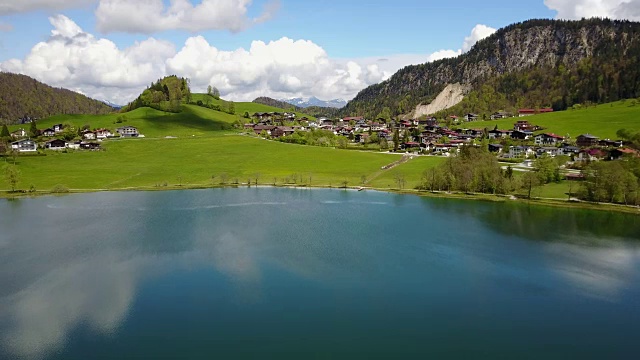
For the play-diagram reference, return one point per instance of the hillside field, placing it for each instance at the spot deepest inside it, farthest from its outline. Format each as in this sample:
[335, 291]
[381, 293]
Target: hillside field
[601, 120]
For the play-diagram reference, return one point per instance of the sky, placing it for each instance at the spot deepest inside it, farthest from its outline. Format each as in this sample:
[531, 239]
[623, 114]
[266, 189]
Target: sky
[113, 49]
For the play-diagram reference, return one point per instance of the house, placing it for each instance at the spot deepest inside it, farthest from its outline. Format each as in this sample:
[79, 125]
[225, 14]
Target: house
[89, 146]
[88, 135]
[103, 133]
[128, 131]
[499, 134]
[361, 137]
[74, 145]
[258, 129]
[590, 155]
[610, 143]
[548, 139]
[550, 151]
[20, 133]
[55, 144]
[409, 145]
[58, 128]
[617, 154]
[355, 119]
[471, 117]
[520, 151]
[523, 125]
[570, 150]
[25, 145]
[529, 112]
[282, 131]
[521, 135]
[496, 148]
[48, 132]
[587, 140]
[500, 115]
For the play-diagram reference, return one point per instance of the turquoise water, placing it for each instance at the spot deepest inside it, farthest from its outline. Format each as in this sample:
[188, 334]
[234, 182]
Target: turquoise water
[288, 273]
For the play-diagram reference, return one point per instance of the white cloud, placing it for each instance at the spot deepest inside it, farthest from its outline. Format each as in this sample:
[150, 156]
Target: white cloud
[478, 33]
[577, 9]
[74, 59]
[149, 16]
[18, 6]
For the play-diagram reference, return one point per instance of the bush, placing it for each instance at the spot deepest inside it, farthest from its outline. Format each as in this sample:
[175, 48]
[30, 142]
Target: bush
[60, 189]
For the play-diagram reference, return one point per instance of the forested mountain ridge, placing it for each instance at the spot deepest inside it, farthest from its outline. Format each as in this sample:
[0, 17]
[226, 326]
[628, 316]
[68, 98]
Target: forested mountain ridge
[22, 96]
[531, 64]
[316, 111]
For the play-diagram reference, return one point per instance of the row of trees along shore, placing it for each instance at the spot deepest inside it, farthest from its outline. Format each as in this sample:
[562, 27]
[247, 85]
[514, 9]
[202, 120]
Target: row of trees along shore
[475, 170]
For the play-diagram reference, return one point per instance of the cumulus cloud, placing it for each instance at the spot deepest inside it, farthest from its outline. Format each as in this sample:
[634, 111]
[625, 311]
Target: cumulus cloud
[149, 16]
[97, 67]
[577, 9]
[19, 6]
[74, 59]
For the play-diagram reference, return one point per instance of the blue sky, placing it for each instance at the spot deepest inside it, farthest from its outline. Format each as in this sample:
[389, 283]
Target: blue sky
[112, 48]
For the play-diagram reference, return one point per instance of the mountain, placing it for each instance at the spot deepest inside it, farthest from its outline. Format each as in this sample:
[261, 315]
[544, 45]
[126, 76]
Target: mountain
[314, 101]
[22, 97]
[316, 111]
[532, 64]
[115, 106]
[275, 103]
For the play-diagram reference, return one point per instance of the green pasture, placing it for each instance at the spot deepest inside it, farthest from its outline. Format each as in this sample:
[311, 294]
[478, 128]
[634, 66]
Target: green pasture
[601, 120]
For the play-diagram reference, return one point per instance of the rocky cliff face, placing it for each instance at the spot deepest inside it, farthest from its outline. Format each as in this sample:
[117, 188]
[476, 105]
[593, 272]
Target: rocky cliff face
[516, 48]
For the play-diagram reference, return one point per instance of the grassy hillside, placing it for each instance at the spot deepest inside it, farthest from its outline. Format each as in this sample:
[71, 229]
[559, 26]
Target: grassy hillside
[601, 120]
[193, 120]
[192, 161]
[241, 107]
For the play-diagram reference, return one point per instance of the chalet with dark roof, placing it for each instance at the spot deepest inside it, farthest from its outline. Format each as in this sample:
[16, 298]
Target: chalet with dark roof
[587, 140]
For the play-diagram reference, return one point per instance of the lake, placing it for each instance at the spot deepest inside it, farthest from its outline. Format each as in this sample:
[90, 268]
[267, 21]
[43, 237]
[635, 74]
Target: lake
[301, 273]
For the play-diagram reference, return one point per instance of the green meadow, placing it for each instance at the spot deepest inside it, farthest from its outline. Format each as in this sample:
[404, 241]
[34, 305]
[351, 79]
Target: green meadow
[601, 120]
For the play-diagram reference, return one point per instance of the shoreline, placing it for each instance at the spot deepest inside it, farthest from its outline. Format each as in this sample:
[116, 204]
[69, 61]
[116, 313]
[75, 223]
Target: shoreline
[551, 202]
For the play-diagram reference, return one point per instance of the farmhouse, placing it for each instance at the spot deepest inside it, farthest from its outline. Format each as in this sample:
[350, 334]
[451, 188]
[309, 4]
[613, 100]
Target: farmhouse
[282, 131]
[548, 139]
[521, 135]
[20, 133]
[258, 129]
[520, 151]
[48, 132]
[58, 128]
[103, 133]
[55, 144]
[25, 145]
[529, 112]
[587, 140]
[88, 135]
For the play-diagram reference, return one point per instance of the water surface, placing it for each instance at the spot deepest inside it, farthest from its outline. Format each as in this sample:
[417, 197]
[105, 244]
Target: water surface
[289, 273]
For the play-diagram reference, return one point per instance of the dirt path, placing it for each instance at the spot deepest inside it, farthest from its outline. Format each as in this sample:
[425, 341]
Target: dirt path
[388, 167]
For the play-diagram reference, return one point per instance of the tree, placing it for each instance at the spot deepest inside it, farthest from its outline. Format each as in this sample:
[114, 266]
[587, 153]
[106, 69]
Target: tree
[246, 115]
[400, 180]
[232, 108]
[215, 93]
[12, 175]
[396, 139]
[33, 130]
[209, 90]
[530, 180]
[4, 134]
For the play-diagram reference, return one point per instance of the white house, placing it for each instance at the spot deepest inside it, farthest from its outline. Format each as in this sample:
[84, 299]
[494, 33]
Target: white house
[520, 151]
[89, 135]
[128, 131]
[103, 133]
[548, 139]
[26, 145]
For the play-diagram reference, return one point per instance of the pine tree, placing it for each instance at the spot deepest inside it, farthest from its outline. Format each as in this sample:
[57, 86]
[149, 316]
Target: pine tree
[33, 130]
[5, 132]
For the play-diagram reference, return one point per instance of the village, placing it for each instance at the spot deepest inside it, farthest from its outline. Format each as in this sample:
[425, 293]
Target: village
[58, 137]
[445, 137]
[428, 136]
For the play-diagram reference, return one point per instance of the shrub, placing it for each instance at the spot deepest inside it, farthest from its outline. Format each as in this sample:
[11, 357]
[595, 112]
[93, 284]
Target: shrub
[60, 189]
